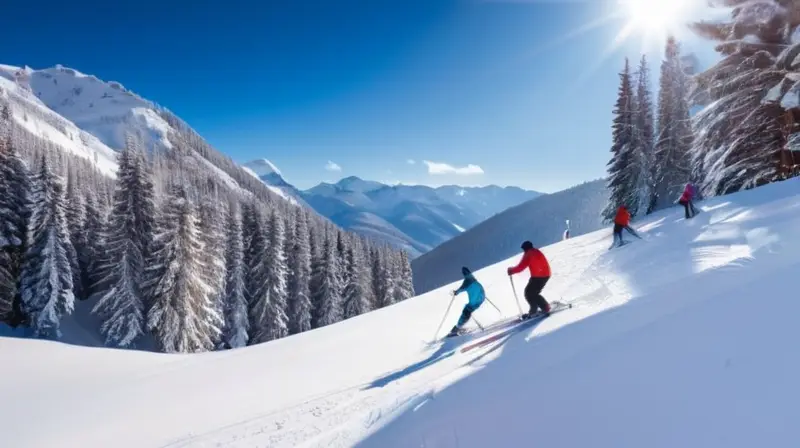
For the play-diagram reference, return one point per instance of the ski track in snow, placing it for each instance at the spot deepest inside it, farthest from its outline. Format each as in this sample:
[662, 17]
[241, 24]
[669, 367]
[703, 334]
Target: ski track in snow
[659, 350]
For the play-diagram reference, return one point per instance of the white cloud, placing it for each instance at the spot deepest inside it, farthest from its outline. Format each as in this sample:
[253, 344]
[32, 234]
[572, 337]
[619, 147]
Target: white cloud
[331, 166]
[411, 161]
[444, 168]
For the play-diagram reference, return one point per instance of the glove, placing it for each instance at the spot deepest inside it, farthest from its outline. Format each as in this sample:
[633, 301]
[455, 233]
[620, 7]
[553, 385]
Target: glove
[509, 271]
[453, 293]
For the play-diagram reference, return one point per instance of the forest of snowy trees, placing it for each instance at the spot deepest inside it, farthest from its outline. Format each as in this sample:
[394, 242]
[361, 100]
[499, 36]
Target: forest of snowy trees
[168, 254]
[746, 135]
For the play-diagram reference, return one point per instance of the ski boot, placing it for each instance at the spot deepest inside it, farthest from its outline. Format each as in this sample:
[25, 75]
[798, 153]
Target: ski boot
[455, 332]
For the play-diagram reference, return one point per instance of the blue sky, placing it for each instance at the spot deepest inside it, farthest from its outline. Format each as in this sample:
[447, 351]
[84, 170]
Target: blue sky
[485, 91]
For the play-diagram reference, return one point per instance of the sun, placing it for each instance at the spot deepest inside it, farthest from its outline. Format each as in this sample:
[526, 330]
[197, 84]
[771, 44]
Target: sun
[655, 17]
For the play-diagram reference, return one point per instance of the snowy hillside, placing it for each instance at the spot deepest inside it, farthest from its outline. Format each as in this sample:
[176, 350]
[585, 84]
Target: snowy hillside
[662, 348]
[36, 117]
[541, 220]
[91, 118]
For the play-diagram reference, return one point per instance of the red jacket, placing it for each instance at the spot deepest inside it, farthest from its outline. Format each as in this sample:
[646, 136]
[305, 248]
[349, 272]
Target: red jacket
[688, 193]
[535, 261]
[623, 218]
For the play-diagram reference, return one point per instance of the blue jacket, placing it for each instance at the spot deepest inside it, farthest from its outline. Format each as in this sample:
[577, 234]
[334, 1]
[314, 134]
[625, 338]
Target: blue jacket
[474, 290]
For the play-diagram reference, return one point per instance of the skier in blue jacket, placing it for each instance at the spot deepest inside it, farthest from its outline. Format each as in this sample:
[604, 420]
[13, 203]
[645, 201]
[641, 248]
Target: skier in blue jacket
[475, 295]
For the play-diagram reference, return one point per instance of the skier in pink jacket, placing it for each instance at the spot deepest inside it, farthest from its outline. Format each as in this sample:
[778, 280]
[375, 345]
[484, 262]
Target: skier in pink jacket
[686, 201]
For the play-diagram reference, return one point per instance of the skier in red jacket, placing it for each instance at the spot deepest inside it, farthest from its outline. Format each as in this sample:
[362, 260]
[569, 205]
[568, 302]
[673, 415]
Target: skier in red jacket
[537, 264]
[686, 200]
[622, 221]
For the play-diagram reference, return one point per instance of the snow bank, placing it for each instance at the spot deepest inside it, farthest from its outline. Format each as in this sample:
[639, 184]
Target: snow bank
[668, 344]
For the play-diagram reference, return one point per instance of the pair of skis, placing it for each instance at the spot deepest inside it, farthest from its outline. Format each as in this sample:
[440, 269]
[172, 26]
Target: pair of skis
[507, 327]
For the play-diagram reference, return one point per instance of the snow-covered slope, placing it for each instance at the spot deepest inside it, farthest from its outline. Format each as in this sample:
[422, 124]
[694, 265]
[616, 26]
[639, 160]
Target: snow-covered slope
[35, 116]
[91, 118]
[667, 344]
[541, 220]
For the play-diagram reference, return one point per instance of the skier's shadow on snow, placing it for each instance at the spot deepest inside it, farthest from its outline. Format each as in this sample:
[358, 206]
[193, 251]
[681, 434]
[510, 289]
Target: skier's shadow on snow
[448, 348]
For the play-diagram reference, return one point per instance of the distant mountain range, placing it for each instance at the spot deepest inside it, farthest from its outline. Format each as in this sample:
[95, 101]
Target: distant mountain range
[413, 217]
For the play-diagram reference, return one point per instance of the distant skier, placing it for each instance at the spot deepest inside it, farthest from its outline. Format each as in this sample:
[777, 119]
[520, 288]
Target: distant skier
[622, 221]
[539, 268]
[475, 294]
[566, 232]
[687, 201]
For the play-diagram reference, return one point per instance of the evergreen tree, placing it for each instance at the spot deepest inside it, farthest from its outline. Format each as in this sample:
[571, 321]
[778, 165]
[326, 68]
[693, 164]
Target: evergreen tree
[46, 281]
[14, 215]
[257, 280]
[644, 146]
[120, 303]
[92, 243]
[236, 323]
[742, 133]
[75, 219]
[315, 282]
[674, 134]
[328, 292]
[213, 238]
[385, 279]
[404, 287]
[277, 320]
[623, 172]
[357, 291]
[182, 317]
[300, 308]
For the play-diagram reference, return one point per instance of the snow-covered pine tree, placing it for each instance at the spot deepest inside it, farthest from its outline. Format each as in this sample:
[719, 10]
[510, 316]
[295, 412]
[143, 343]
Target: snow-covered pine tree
[128, 237]
[213, 237]
[357, 291]
[300, 308]
[235, 309]
[404, 285]
[10, 239]
[674, 133]
[257, 279]
[75, 217]
[376, 275]
[741, 133]
[644, 148]
[386, 279]
[329, 289]
[14, 216]
[91, 242]
[317, 277]
[277, 323]
[623, 172]
[46, 280]
[182, 316]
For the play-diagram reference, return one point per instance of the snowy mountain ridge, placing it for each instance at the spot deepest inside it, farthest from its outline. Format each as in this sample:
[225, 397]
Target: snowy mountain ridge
[91, 118]
[655, 332]
[415, 218]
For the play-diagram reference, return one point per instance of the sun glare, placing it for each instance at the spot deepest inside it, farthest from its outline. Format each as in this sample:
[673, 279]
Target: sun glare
[655, 17]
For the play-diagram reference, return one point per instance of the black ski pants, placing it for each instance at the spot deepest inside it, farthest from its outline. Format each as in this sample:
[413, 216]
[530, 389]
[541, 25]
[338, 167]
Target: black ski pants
[533, 294]
[618, 232]
[688, 207]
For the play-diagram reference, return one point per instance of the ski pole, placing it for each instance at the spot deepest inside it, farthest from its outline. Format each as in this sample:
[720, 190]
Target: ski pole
[516, 297]
[478, 323]
[495, 306]
[445, 315]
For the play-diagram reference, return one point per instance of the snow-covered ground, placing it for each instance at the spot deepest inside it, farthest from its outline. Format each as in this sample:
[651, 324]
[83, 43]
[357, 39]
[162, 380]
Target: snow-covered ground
[688, 338]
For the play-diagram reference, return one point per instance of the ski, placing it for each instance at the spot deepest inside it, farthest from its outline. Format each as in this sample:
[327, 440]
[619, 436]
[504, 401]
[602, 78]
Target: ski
[518, 324]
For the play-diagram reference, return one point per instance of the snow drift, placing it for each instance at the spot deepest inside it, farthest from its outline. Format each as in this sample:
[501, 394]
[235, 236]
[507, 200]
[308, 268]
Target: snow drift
[687, 338]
